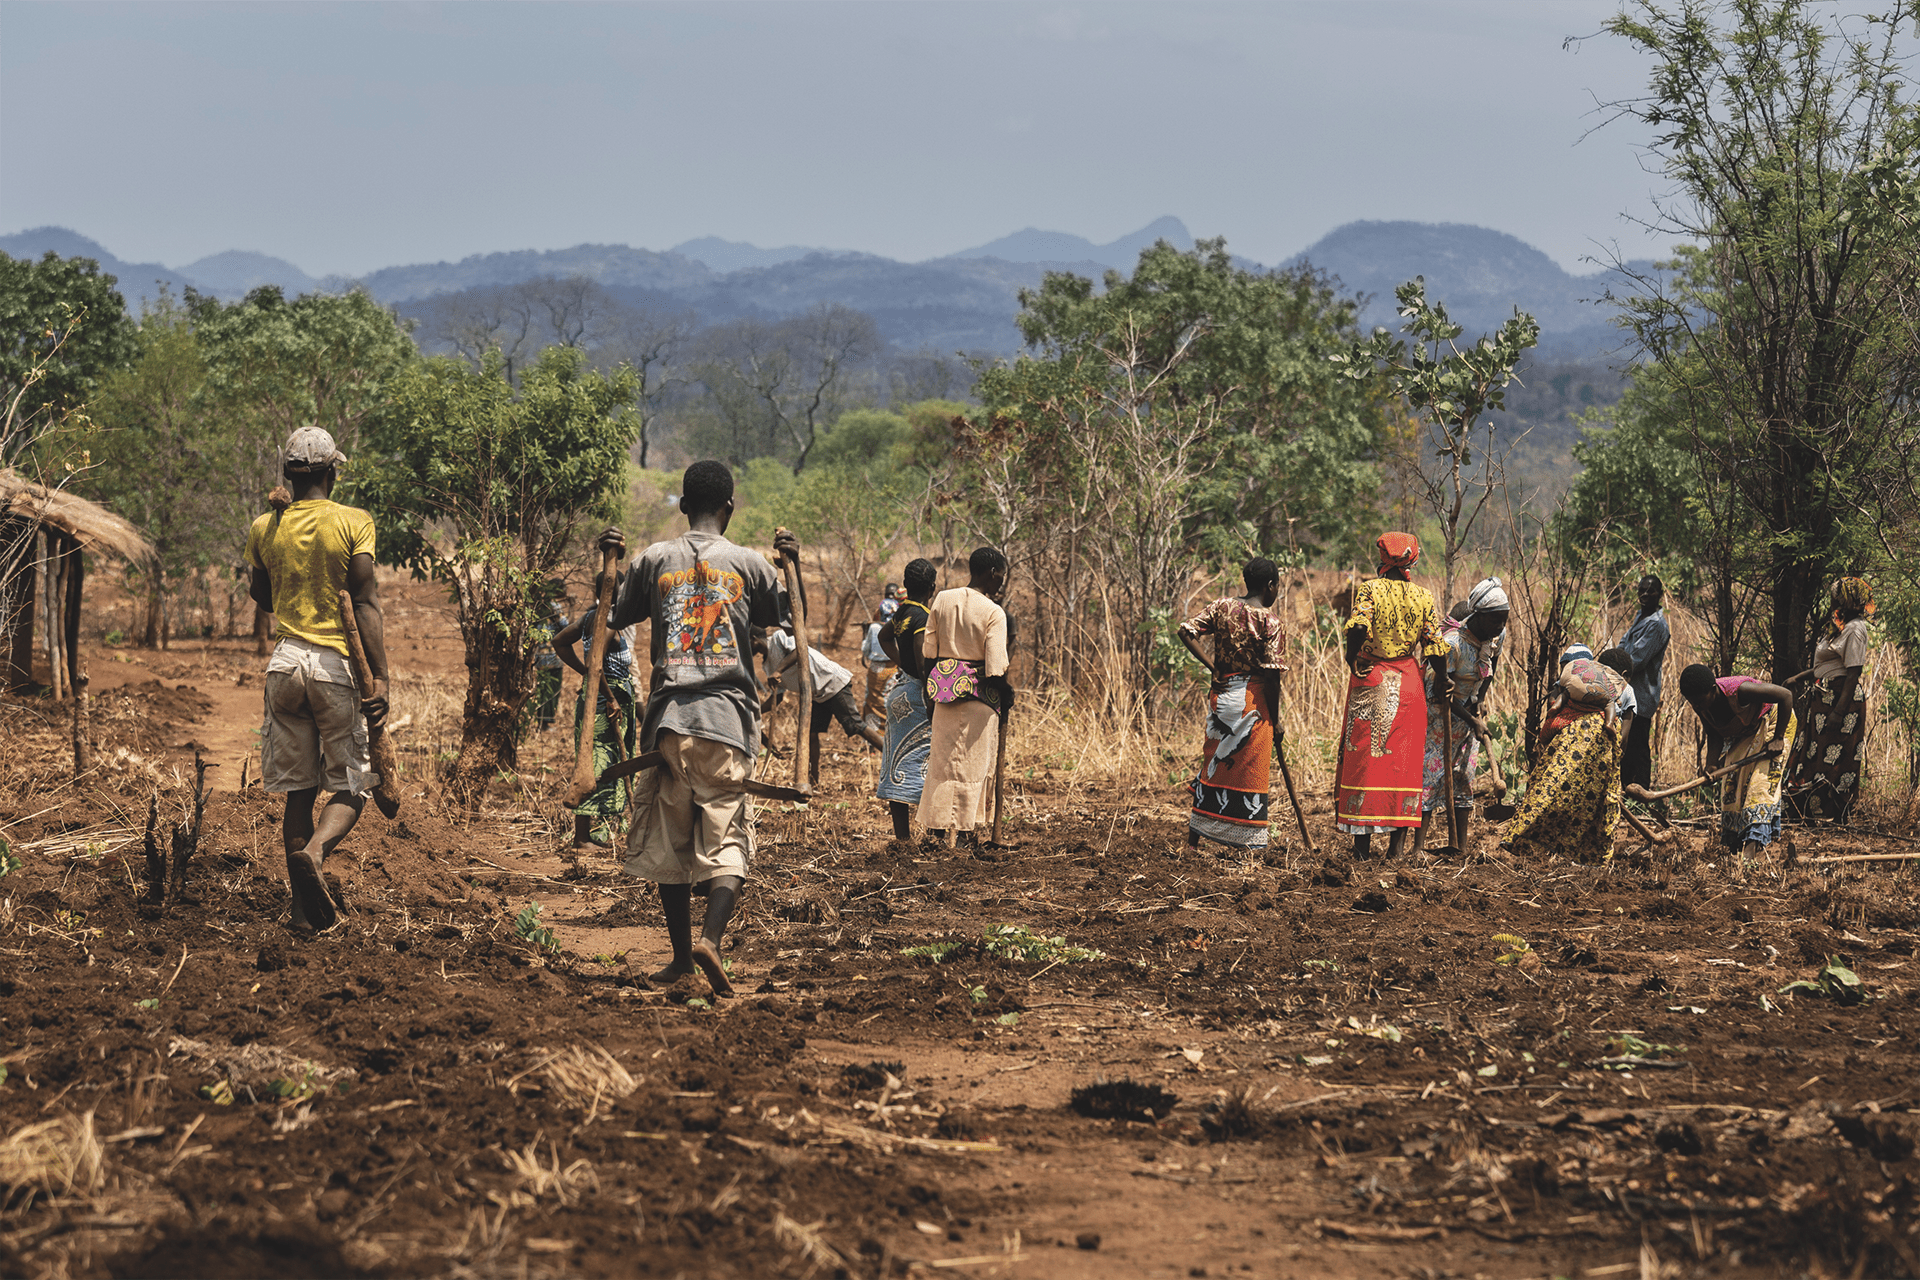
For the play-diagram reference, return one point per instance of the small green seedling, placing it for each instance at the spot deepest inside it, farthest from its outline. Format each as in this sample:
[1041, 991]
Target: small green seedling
[151, 1002]
[527, 927]
[1008, 1019]
[1834, 981]
[698, 1003]
[220, 1093]
[8, 863]
[301, 1088]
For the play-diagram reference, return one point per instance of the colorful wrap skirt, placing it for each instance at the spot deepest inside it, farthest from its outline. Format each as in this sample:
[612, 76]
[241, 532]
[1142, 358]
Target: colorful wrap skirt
[1750, 799]
[614, 733]
[1466, 762]
[1381, 748]
[903, 761]
[1573, 793]
[1823, 778]
[1230, 791]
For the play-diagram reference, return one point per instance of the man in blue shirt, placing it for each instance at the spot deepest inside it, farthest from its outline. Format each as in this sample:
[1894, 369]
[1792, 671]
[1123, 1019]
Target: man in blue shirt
[1646, 647]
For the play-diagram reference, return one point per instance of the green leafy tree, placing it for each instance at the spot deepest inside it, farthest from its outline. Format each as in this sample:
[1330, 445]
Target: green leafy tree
[485, 488]
[1187, 410]
[274, 366]
[1452, 388]
[161, 455]
[63, 327]
[1789, 135]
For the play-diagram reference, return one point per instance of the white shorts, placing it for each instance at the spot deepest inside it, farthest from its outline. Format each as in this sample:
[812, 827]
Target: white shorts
[314, 735]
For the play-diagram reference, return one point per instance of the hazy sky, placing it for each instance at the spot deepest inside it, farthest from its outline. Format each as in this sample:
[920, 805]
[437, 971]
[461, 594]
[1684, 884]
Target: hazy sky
[347, 137]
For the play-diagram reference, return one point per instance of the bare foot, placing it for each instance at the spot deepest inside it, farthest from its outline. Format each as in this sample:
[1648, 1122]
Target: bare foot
[591, 843]
[707, 956]
[667, 976]
[312, 904]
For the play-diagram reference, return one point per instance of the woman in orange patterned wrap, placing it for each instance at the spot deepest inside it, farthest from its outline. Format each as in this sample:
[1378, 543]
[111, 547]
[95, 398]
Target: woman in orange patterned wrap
[1243, 709]
[1384, 734]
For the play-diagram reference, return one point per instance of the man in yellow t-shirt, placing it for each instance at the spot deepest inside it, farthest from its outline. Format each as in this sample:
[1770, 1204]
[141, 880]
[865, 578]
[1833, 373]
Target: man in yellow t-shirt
[303, 556]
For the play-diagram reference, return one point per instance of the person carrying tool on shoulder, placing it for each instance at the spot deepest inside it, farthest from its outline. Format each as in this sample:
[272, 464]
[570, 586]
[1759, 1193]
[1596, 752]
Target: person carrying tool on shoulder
[302, 557]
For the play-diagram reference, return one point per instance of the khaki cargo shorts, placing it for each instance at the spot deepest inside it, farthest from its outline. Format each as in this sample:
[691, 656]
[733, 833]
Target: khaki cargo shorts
[692, 822]
[314, 734]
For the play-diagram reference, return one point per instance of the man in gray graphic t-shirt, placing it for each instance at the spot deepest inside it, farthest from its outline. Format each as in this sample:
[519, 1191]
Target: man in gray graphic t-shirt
[704, 595]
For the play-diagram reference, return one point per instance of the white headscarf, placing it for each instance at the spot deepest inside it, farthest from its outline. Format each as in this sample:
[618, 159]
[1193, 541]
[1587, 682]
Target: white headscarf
[1488, 596]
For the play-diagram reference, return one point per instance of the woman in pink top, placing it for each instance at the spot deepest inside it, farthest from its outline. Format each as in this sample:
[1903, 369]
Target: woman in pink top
[1736, 710]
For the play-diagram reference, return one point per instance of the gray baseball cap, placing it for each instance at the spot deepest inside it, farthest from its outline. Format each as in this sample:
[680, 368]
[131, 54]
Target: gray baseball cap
[310, 449]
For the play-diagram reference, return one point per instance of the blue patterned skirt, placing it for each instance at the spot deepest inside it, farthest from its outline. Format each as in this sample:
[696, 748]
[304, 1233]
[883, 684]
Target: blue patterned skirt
[903, 761]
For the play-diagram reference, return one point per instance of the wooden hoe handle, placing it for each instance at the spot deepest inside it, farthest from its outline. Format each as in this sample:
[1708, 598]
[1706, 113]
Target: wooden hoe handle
[583, 781]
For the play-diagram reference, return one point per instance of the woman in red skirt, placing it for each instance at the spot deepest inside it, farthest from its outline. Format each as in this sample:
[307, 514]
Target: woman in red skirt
[1384, 735]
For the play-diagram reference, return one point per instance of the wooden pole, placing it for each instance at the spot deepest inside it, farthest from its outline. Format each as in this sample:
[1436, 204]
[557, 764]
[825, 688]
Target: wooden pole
[583, 780]
[802, 766]
[1280, 754]
[1446, 767]
[1000, 774]
[75, 579]
[1639, 792]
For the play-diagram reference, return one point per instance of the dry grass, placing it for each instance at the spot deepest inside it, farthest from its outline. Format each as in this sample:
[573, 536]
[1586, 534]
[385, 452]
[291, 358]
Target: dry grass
[51, 1158]
[564, 1184]
[580, 1077]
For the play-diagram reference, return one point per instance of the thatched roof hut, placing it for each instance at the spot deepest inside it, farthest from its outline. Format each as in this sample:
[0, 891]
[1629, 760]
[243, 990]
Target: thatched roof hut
[28, 513]
[92, 525]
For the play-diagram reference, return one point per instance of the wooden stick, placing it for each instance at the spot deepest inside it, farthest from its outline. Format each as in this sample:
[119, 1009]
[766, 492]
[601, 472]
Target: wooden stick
[1639, 792]
[1000, 773]
[1446, 768]
[583, 782]
[1651, 836]
[386, 792]
[802, 765]
[1868, 857]
[654, 760]
[1280, 754]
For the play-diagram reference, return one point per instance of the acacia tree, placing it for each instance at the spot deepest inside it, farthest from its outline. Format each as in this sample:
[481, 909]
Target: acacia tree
[484, 487]
[1791, 142]
[1451, 388]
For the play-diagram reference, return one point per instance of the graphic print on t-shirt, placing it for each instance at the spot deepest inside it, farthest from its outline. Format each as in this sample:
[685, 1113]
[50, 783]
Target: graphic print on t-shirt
[700, 630]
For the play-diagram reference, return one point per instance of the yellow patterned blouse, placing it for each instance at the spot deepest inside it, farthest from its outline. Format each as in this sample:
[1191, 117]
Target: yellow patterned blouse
[1399, 618]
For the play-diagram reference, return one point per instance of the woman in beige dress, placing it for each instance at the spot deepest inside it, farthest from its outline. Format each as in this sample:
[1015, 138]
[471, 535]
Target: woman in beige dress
[966, 653]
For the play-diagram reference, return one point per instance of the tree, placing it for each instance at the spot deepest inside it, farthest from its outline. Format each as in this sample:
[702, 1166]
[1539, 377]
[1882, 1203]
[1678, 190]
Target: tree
[650, 344]
[274, 366]
[1294, 439]
[1451, 388]
[63, 327]
[483, 487]
[158, 450]
[775, 385]
[1792, 147]
[1185, 412]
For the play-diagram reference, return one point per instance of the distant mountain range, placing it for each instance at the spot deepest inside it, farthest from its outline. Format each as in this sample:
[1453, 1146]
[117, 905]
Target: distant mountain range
[965, 301]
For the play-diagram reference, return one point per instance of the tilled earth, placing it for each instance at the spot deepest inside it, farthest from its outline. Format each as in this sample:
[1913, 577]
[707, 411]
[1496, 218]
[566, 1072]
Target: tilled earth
[1426, 1067]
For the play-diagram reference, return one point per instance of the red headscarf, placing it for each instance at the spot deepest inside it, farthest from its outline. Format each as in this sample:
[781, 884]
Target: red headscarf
[1398, 551]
